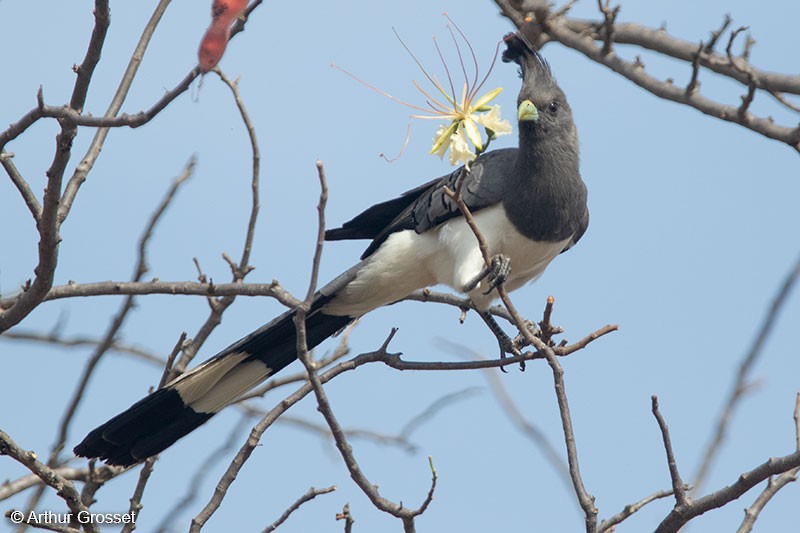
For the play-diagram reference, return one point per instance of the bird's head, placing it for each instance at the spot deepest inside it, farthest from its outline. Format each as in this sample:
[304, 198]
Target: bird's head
[542, 107]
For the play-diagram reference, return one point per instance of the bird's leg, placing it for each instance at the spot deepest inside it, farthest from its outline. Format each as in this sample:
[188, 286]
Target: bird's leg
[520, 341]
[507, 345]
[496, 272]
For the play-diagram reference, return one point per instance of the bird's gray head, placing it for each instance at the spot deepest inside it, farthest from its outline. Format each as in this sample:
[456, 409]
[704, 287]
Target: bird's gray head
[542, 106]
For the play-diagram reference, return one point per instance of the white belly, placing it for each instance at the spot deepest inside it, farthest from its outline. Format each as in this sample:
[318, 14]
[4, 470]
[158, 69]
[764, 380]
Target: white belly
[449, 255]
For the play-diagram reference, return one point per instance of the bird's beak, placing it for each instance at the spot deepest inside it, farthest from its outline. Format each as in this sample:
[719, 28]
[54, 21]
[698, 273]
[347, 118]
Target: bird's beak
[527, 111]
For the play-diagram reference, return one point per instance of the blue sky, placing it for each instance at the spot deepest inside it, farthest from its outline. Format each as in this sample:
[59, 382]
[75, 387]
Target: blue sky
[694, 224]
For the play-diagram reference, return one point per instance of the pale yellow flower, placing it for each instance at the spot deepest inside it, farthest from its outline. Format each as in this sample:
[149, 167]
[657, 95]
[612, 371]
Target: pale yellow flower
[463, 113]
[463, 129]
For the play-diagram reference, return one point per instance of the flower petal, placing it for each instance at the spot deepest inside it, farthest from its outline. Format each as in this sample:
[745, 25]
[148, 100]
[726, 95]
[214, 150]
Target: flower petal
[472, 132]
[492, 121]
[441, 140]
[485, 99]
[460, 152]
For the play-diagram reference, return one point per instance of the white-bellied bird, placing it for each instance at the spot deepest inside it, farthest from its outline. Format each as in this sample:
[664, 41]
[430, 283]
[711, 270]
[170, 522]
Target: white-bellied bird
[529, 204]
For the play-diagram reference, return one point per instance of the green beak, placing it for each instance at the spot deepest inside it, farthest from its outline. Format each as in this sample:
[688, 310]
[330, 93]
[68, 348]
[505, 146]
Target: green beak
[527, 111]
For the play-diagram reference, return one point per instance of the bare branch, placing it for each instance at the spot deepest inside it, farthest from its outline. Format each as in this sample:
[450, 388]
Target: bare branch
[715, 35]
[307, 497]
[203, 469]
[512, 411]
[680, 516]
[742, 380]
[581, 35]
[694, 84]
[147, 469]
[93, 152]
[55, 338]
[121, 315]
[323, 200]
[240, 271]
[255, 435]
[584, 498]
[678, 487]
[347, 517]
[22, 186]
[630, 510]
[609, 17]
[102, 19]
[658, 40]
[433, 409]
[256, 172]
[401, 439]
[323, 405]
[124, 288]
[17, 308]
[63, 487]
[752, 513]
[11, 488]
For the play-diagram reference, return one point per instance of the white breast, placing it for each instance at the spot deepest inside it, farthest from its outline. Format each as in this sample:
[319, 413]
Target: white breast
[449, 255]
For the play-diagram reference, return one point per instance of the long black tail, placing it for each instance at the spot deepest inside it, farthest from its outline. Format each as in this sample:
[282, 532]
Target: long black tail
[154, 423]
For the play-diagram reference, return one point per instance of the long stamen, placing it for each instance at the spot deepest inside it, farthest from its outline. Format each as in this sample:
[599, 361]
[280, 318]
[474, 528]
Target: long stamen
[402, 148]
[466, 95]
[440, 87]
[471, 51]
[464, 114]
[436, 106]
[491, 67]
[417, 61]
[384, 93]
[446, 70]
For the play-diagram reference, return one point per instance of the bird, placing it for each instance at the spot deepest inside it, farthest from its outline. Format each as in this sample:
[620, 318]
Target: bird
[530, 204]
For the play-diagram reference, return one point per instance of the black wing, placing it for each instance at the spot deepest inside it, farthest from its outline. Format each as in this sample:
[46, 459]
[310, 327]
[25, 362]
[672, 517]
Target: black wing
[427, 206]
[582, 226]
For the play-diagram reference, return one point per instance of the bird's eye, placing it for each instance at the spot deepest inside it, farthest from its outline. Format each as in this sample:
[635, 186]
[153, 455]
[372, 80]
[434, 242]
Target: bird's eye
[553, 107]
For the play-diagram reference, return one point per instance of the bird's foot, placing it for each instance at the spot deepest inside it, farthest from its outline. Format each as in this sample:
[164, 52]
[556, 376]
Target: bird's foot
[507, 344]
[496, 273]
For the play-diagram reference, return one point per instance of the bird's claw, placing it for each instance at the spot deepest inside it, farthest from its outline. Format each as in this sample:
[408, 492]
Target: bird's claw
[517, 344]
[510, 346]
[498, 271]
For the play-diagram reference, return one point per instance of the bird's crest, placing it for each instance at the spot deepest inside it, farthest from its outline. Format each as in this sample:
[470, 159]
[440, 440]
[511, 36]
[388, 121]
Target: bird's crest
[522, 53]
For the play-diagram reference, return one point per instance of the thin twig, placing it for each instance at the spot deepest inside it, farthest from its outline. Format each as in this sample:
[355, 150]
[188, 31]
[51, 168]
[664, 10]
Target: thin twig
[93, 152]
[63, 487]
[147, 469]
[584, 498]
[55, 338]
[752, 513]
[347, 517]
[114, 327]
[630, 510]
[323, 200]
[609, 17]
[678, 487]
[188, 288]
[204, 468]
[694, 84]
[12, 488]
[512, 411]
[240, 271]
[740, 384]
[307, 497]
[581, 35]
[256, 165]
[407, 516]
[229, 476]
[22, 186]
[680, 516]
